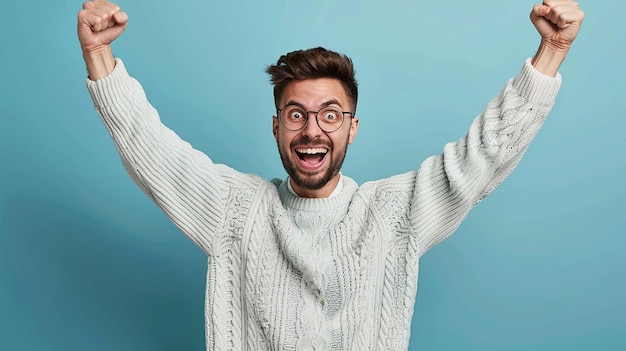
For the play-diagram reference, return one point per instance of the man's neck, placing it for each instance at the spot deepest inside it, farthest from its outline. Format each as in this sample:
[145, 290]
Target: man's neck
[333, 188]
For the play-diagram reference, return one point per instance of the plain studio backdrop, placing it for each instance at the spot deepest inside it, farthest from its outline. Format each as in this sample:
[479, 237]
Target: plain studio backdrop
[87, 262]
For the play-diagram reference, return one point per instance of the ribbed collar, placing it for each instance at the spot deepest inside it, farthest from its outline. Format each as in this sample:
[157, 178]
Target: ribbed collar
[339, 200]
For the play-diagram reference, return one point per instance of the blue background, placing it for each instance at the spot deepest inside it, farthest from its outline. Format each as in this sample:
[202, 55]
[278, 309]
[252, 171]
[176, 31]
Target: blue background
[87, 262]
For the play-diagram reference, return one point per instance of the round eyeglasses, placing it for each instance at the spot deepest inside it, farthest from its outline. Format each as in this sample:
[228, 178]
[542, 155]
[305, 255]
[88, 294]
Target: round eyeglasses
[295, 117]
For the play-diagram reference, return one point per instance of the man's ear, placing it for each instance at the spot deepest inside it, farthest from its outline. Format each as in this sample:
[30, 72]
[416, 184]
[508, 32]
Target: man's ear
[354, 128]
[275, 127]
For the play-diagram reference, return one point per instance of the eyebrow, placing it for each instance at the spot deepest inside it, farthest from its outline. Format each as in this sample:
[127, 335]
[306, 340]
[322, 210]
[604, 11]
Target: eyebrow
[322, 105]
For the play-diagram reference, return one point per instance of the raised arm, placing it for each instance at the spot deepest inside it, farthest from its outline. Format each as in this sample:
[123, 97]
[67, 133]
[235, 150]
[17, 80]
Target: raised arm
[196, 194]
[447, 186]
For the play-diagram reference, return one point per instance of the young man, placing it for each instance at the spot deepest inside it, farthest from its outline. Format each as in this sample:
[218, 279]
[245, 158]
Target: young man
[316, 261]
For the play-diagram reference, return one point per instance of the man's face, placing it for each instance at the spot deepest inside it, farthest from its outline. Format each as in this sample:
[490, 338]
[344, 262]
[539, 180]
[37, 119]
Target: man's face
[312, 157]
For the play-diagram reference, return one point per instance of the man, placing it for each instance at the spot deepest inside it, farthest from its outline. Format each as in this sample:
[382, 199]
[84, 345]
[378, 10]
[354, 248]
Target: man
[316, 262]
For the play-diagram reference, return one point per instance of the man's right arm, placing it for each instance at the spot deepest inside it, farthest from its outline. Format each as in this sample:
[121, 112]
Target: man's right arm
[191, 190]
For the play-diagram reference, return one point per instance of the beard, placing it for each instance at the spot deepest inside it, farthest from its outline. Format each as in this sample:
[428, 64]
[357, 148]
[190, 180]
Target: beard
[311, 180]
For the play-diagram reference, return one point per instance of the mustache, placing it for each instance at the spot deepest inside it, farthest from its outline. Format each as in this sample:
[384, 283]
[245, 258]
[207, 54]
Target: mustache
[305, 142]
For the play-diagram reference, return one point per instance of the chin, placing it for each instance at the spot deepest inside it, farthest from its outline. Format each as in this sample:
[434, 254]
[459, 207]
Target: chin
[313, 181]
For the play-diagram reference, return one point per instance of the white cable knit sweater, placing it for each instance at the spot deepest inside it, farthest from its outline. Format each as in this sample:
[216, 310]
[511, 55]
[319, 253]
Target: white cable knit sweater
[290, 273]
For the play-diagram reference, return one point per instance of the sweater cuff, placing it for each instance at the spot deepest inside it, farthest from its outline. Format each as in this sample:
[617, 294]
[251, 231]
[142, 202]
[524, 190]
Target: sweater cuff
[107, 90]
[536, 86]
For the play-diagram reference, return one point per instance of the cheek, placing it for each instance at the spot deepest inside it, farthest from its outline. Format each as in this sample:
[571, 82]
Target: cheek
[282, 140]
[340, 144]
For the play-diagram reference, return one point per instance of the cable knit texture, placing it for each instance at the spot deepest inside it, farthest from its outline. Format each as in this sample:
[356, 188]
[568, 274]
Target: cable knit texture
[290, 273]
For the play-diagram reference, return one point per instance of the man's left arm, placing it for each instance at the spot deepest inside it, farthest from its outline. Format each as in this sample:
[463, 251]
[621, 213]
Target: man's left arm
[448, 186]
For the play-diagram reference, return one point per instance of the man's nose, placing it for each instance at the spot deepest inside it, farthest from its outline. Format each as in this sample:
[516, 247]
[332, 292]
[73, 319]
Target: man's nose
[312, 129]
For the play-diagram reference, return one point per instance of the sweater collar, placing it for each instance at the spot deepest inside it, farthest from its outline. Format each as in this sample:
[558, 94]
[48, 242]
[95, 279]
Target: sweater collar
[341, 197]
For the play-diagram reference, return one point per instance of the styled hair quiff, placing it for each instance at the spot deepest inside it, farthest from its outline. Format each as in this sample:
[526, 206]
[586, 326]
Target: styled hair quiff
[311, 64]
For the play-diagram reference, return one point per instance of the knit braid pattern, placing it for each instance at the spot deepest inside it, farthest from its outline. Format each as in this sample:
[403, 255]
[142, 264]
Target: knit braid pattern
[289, 273]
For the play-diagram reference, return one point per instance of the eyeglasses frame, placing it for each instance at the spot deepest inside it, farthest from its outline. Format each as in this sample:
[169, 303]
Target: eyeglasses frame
[343, 117]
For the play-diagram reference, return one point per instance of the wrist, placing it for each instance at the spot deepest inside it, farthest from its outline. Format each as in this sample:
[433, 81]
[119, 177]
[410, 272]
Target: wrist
[547, 60]
[99, 62]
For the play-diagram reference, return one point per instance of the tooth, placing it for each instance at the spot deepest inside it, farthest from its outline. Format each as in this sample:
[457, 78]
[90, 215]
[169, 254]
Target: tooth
[312, 151]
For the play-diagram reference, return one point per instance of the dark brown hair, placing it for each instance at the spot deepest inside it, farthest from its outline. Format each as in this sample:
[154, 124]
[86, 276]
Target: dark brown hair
[311, 64]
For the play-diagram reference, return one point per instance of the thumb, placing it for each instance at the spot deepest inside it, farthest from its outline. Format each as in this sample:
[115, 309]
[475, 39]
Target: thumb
[88, 5]
[121, 18]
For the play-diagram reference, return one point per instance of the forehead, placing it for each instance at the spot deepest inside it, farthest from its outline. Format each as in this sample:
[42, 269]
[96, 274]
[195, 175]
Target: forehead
[314, 92]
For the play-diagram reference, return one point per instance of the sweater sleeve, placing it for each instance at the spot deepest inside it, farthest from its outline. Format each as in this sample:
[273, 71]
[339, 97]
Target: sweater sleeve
[190, 189]
[447, 186]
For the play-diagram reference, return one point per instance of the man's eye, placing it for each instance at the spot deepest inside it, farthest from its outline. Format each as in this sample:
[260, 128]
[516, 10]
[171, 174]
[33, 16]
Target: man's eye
[330, 116]
[296, 115]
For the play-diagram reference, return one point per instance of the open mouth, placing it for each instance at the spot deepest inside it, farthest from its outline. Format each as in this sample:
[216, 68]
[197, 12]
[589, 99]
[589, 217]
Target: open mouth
[311, 157]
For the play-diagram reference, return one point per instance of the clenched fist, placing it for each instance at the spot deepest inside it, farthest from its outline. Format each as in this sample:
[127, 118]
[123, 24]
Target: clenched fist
[558, 22]
[99, 23]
